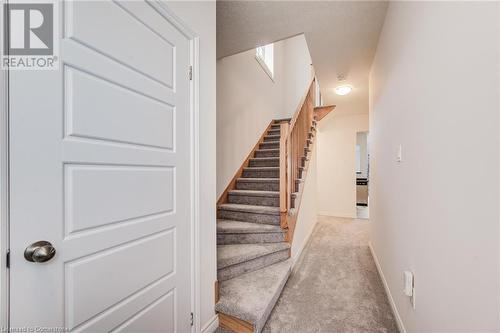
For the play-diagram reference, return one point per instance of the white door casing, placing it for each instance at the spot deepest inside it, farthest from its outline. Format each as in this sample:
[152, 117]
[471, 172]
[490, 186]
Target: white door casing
[101, 166]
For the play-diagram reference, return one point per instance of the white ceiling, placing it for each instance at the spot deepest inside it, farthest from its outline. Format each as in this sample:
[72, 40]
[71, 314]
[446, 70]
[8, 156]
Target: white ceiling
[342, 37]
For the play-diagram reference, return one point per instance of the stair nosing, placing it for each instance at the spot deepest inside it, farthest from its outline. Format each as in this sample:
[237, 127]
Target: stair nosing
[255, 193]
[256, 319]
[258, 179]
[262, 168]
[265, 210]
[258, 228]
[268, 248]
[270, 158]
[270, 149]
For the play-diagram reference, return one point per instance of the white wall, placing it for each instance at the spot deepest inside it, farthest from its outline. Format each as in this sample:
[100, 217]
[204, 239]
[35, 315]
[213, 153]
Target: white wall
[200, 17]
[337, 163]
[247, 100]
[297, 73]
[434, 89]
[308, 210]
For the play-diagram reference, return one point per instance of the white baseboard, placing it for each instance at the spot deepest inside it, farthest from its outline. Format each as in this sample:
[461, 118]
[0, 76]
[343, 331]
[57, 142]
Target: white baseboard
[399, 322]
[296, 255]
[212, 325]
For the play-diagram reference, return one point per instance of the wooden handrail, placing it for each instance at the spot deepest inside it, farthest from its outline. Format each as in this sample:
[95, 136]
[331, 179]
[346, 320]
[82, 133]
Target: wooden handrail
[322, 111]
[294, 143]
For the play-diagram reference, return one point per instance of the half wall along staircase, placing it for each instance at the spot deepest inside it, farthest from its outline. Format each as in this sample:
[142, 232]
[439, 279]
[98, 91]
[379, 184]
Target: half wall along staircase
[256, 217]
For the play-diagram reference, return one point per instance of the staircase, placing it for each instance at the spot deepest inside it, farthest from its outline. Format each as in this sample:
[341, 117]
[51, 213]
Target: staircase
[253, 252]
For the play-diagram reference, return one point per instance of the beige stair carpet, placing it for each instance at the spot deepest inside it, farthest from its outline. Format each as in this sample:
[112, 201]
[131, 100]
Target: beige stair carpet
[335, 286]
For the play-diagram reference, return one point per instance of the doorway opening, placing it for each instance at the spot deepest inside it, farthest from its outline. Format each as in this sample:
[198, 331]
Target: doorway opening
[362, 175]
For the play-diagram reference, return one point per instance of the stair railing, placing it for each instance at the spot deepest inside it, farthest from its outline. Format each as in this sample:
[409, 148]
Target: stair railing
[293, 148]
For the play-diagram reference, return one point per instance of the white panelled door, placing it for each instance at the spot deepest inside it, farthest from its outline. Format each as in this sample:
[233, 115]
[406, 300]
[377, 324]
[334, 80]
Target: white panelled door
[100, 154]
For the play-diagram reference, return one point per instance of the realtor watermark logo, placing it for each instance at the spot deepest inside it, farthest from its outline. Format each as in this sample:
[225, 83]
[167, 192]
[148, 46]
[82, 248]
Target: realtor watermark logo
[30, 35]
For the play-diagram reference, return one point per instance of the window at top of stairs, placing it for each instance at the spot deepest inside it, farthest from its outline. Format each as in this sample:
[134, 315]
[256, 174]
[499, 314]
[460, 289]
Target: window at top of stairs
[265, 57]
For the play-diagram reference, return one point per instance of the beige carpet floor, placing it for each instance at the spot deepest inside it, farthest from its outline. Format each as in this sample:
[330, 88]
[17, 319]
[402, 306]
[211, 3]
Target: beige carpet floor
[335, 286]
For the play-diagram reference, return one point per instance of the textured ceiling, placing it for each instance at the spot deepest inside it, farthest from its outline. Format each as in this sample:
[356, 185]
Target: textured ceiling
[342, 38]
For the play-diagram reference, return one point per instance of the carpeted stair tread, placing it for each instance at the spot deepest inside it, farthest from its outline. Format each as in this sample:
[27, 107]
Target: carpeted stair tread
[257, 197]
[265, 184]
[240, 227]
[255, 193]
[233, 254]
[252, 296]
[264, 172]
[265, 158]
[264, 161]
[261, 168]
[269, 145]
[231, 231]
[257, 180]
[269, 150]
[274, 152]
[272, 137]
[251, 209]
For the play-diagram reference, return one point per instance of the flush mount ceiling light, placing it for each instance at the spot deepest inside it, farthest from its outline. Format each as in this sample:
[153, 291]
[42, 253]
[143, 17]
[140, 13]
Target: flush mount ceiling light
[343, 90]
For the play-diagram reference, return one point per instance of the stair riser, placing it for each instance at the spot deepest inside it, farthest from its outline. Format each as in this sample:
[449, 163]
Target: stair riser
[258, 186]
[254, 200]
[248, 217]
[251, 265]
[264, 163]
[274, 237]
[261, 173]
[266, 153]
[271, 138]
[269, 145]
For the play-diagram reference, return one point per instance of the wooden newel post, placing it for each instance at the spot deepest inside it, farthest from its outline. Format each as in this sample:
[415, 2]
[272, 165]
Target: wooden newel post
[283, 174]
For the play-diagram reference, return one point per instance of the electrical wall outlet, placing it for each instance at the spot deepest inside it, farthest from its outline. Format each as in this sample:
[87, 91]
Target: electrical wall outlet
[408, 283]
[409, 286]
[413, 299]
[399, 157]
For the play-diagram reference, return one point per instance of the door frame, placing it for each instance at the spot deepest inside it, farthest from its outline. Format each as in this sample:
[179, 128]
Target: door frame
[168, 14]
[4, 189]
